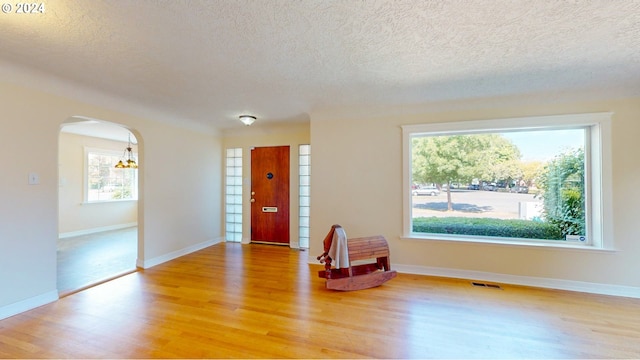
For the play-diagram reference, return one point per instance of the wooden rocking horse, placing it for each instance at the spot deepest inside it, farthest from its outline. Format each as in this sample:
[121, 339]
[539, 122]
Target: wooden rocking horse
[351, 270]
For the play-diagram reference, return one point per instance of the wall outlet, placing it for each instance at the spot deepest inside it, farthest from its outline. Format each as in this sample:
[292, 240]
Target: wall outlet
[34, 179]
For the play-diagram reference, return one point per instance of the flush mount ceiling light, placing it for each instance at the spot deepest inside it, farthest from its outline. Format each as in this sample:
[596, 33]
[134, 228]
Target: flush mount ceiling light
[247, 119]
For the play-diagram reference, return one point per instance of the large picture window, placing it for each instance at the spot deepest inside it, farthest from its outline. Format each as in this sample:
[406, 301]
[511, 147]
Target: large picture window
[106, 183]
[542, 180]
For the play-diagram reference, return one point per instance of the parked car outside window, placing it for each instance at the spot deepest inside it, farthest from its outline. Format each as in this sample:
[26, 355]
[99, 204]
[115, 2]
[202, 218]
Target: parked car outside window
[490, 187]
[426, 190]
[520, 189]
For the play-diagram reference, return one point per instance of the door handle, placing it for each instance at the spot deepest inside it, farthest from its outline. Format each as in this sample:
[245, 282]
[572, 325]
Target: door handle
[253, 200]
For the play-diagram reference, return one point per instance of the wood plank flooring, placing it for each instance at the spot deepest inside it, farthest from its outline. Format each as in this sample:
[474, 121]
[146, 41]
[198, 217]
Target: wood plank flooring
[261, 301]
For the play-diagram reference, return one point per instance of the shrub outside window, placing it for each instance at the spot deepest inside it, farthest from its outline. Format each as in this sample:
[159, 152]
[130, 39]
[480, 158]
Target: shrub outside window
[540, 180]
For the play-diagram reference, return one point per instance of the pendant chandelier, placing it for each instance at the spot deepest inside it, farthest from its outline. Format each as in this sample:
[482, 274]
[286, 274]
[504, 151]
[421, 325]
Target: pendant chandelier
[128, 154]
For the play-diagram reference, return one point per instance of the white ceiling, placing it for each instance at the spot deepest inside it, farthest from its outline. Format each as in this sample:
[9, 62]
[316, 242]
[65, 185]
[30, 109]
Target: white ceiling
[204, 62]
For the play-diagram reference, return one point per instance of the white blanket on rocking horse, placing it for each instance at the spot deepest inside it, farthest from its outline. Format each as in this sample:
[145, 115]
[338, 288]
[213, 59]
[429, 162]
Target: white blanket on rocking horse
[339, 251]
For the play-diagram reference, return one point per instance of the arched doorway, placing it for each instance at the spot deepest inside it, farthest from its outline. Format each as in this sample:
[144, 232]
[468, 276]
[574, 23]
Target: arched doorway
[98, 207]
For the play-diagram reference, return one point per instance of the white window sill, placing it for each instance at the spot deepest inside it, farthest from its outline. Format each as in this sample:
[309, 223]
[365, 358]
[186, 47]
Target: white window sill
[108, 201]
[553, 244]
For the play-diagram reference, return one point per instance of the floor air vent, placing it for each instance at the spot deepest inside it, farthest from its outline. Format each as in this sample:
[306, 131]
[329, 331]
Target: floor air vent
[491, 286]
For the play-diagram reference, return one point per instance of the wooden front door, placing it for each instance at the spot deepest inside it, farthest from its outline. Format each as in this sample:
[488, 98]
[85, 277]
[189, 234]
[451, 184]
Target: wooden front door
[270, 194]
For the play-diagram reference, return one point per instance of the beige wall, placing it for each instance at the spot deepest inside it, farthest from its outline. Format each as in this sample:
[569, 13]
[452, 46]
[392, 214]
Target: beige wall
[180, 190]
[74, 214]
[278, 135]
[357, 182]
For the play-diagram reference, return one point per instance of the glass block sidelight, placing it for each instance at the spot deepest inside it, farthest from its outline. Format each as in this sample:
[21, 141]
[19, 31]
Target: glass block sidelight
[304, 172]
[233, 195]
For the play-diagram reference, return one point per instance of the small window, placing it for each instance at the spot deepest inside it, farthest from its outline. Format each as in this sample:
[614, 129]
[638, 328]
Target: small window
[104, 182]
[233, 195]
[305, 196]
[520, 180]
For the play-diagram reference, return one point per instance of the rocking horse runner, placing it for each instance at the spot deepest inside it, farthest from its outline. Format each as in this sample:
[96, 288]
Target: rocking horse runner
[345, 275]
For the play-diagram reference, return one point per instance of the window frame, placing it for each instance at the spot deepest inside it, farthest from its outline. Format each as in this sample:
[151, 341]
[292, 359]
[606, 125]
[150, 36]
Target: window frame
[90, 150]
[598, 173]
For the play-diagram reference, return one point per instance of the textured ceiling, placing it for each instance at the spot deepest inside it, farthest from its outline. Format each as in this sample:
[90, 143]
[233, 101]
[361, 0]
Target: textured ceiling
[207, 61]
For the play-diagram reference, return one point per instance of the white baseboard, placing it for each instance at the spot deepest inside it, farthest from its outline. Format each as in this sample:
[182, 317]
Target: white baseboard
[558, 284]
[96, 230]
[145, 264]
[28, 304]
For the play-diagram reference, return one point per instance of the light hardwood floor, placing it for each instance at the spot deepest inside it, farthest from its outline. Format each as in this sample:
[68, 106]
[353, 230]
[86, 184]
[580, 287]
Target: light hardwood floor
[261, 301]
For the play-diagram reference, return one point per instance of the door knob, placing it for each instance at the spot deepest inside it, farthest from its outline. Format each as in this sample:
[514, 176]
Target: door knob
[253, 200]
[253, 193]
